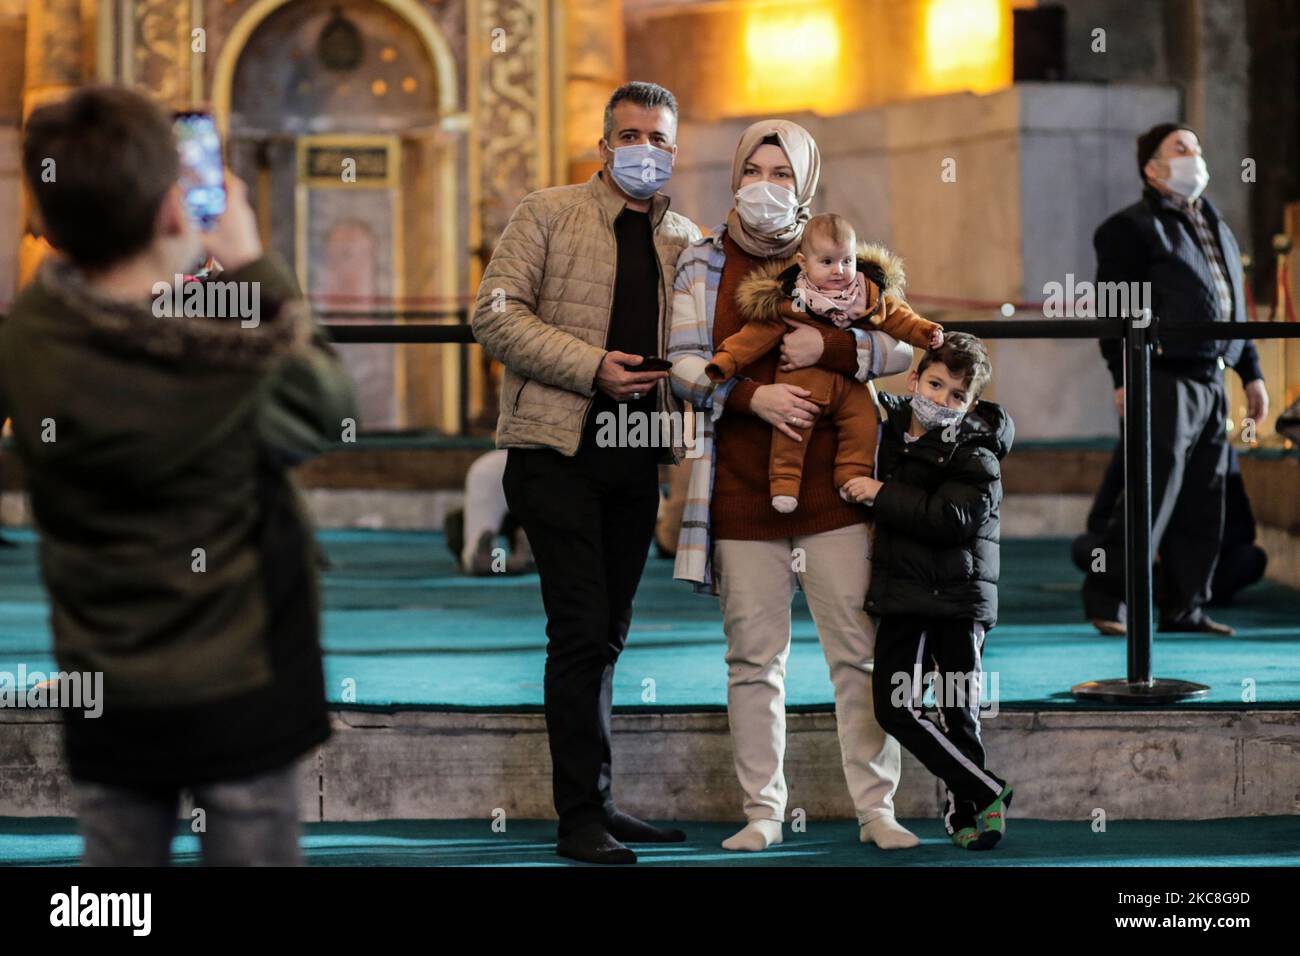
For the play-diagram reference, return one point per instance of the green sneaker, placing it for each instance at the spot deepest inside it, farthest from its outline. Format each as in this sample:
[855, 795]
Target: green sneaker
[966, 838]
[993, 819]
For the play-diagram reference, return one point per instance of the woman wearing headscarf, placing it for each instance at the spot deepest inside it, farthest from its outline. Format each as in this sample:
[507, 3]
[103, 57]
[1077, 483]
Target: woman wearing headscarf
[732, 542]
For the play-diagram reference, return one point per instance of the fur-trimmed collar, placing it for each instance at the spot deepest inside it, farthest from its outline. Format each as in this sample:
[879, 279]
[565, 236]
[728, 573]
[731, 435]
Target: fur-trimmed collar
[766, 292]
[132, 327]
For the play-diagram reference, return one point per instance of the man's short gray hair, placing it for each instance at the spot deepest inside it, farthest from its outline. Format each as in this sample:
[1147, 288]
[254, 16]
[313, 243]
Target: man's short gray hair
[649, 95]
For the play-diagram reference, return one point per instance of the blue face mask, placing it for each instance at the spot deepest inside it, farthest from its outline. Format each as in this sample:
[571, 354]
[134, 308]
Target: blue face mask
[641, 170]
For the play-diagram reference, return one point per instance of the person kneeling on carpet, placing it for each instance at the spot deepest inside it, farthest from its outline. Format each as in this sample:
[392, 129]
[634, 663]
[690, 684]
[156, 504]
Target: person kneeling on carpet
[935, 576]
[472, 531]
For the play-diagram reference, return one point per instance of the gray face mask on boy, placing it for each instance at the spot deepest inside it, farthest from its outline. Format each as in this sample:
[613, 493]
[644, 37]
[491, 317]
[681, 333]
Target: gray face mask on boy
[932, 415]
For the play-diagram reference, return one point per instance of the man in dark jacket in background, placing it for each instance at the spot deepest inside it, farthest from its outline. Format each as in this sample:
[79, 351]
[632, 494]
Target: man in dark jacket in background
[1174, 239]
[934, 579]
[177, 555]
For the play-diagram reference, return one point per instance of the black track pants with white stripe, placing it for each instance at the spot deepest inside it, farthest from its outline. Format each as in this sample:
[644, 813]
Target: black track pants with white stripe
[946, 738]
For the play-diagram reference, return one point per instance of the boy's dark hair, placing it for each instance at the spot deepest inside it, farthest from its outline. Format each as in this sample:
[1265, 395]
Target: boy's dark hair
[649, 95]
[98, 165]
[963, 354]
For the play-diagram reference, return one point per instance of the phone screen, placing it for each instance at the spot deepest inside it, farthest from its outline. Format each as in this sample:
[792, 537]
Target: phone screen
[203, 177]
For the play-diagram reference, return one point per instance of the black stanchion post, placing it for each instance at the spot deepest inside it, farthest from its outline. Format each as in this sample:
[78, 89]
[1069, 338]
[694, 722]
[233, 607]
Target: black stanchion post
[1139, 687]
[1137, 498]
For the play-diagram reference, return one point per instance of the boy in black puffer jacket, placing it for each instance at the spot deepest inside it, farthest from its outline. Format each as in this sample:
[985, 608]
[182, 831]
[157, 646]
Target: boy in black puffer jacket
[934, 579]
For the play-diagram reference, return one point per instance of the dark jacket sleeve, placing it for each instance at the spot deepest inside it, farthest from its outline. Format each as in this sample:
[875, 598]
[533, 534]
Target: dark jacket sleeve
[308, 394]
[1121, 257]
[953, 512]
[1248, 365]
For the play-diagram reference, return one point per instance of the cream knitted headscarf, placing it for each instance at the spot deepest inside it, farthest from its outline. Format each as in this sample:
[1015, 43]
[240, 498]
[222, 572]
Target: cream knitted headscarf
[805, 160]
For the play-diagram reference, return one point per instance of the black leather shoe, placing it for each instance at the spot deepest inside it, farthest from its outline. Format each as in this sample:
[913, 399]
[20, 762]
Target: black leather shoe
[1204, 625]
[592, 843]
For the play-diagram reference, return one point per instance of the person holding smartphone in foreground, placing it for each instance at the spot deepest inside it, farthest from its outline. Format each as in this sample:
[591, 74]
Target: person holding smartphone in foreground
[177, 554]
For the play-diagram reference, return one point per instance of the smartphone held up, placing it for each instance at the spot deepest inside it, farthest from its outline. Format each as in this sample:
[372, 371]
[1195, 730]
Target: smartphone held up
[203, 180]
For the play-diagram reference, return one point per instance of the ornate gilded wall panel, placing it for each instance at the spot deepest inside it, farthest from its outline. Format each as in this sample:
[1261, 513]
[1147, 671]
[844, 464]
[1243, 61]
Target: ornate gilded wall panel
[510, 86]
[159, 59]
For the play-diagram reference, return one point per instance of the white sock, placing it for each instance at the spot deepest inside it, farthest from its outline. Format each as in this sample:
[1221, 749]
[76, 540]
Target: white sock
[785, 503]
[757, 835]
[887, 833]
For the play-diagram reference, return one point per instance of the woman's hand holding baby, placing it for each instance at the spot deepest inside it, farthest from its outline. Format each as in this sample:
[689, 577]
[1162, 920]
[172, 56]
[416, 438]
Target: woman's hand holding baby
[784, 407]
[801, 347]
[862, 490]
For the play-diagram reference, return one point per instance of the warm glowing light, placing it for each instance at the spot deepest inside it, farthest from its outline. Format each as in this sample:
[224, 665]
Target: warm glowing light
[408, 84]
[964, 44]
[793, 59]
[388, 54]
[805, 37]
[379, 87]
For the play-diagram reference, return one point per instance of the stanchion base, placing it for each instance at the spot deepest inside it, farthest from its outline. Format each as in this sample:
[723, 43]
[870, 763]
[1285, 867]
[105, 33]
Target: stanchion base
[1118, 690]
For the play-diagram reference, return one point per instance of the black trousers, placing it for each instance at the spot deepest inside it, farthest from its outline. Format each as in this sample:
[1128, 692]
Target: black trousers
[589, 520]
[946, 739]
[1189, 466]
[1239, 566]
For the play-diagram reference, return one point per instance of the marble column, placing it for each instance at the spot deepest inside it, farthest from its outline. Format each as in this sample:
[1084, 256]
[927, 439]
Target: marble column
[509, 91]
[595, 64]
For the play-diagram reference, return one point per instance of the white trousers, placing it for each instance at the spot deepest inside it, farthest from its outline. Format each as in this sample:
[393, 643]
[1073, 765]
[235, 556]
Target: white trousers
[756, 580]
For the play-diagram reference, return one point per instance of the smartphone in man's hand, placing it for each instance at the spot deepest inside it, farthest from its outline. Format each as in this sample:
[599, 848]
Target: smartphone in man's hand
[651, 364]
[203, 173]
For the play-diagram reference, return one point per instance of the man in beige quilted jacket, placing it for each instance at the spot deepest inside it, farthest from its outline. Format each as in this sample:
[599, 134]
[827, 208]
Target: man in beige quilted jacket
[576, 297]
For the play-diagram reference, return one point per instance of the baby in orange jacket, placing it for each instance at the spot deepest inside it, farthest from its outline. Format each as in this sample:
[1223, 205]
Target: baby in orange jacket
[832, 281]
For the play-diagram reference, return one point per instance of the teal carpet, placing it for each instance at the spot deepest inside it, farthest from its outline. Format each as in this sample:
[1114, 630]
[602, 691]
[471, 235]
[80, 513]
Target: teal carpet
[1256, 841]
[403, 628]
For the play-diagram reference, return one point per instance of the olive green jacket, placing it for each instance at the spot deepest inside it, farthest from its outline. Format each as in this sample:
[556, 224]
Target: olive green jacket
[178, 557]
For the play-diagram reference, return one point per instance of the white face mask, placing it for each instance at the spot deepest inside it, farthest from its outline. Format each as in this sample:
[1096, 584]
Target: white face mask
[765, 208]
[1188, 176]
